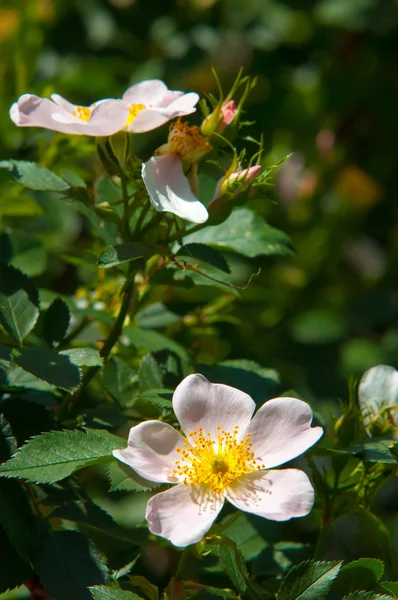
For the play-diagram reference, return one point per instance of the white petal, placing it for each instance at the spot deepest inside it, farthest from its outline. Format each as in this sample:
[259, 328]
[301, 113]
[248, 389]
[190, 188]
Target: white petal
[61, 101]
[107, 117]
[277, 495]
[169, 189]
[182, 514]
[146, 92]
[31, 111]
[154, 117]
[281, 430]
[152, 451]
[199, 403]
[378, 388]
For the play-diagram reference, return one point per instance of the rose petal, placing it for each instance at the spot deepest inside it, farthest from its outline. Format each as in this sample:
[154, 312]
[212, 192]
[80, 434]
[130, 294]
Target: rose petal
[182, 514]
[169, 189]
[281, 430]
[199, 403]
[61, 101]
[107, 117]
[377, 388]
[152, 451]
[169, 108]
[149, 92]
[277, 495]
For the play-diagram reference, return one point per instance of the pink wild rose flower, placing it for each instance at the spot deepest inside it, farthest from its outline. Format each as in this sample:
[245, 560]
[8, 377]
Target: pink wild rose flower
[226, 455]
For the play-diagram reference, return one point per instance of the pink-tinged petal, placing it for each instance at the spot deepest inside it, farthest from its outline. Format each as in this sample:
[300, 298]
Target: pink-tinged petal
[147, 120]
[156, 116]
[106, 118]
[281, 430]
[199, 403]
[277, 495]
[61, 101]
[169, 189]
[182, 514]
[147, 92]
[152, 451]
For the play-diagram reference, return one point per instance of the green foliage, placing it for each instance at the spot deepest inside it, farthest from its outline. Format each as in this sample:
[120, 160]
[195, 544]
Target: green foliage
[107, 304]
[67, 564]
[34, 177]
[122, 253]
[102, 592]
[309, 580]
[206, 253]
[55, 455]
[56, 322]
[19, 302]
[246, 233]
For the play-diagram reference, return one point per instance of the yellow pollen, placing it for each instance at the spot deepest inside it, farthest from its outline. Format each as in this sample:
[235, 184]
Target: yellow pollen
[134, 110]
[82, 112]
[216, 463]
[186, 141]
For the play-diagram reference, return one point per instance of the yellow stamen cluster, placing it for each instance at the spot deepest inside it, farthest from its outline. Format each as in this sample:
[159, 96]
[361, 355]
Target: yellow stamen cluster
[215, 463]
[186, 141]
[82, 112]
[134, 110]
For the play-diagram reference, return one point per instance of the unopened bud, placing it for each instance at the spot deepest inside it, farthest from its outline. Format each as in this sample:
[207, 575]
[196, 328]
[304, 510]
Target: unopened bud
[220, 118]
[237, 182]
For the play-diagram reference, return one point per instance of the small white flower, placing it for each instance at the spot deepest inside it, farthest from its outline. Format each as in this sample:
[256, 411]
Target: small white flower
[144, 106]
[226, 455]
[104, 117]
[378, 394]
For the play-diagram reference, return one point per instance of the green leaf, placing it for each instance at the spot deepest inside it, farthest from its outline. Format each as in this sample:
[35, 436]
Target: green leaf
[83, 357]
[257, 381]
[391, 586]
[25, 252]
[309, 580]
[19, 302]
[34, 177]
[360, 574]
[206, 253]
[121, 253]
[67, 564]
[394, 450]
[13, 570]
[192, 588]
[246, 537]
[367, 596]
[122, 478]
[373, 451]
[153, 341]
[233, 563]
[244, 232]
[86, 512]
[56, 322]
[150, 374]
[119, 381]
[161, 397]
[16, 517]
[103, 592]
[49, 366]
[55, 455]
[156, 315]
[36, 418]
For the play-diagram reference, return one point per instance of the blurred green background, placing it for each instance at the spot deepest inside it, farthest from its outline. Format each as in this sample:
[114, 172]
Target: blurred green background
[327, 92]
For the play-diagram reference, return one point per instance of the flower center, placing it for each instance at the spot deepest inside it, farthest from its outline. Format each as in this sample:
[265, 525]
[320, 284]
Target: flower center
[82, 112]
[216, 463]
[186, 141]
[134, 110]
